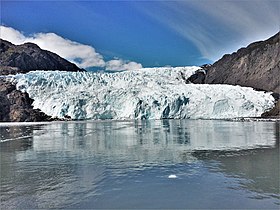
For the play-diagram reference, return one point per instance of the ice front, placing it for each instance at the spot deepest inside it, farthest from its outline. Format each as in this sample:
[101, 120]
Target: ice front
[149, 93]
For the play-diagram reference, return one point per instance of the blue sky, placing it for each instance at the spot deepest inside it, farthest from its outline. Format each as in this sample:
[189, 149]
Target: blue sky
[150, 33]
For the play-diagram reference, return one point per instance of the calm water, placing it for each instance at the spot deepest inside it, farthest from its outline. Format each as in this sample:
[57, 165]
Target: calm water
[217, 164]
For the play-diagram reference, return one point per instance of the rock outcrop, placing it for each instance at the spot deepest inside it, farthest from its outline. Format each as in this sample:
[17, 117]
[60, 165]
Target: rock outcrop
[257, 66]
[275, 112]
[199, 76]
[29, 57]
[16, 106]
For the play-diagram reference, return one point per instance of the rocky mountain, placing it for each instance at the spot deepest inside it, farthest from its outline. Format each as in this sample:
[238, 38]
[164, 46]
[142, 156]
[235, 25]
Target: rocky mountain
[28, 57]
[257, 66]
[16, 106]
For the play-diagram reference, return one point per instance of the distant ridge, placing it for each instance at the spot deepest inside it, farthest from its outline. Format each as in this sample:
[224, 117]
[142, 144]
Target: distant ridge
[257, 66]
[29, 56]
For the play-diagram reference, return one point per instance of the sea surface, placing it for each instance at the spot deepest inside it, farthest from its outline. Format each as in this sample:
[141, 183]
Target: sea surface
[162, 164]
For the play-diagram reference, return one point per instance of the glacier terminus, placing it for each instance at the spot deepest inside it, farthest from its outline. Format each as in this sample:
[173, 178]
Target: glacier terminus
[148, 93]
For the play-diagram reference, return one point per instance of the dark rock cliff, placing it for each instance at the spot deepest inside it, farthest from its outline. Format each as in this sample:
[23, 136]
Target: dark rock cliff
[275, 112]
[16, 106]
[257, 66]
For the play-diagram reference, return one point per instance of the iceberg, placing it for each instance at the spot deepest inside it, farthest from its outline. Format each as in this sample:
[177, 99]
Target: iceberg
[148, 93]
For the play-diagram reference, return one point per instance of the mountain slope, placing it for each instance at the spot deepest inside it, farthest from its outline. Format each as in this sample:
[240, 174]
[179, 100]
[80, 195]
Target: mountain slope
[257, 66]
[29, 56]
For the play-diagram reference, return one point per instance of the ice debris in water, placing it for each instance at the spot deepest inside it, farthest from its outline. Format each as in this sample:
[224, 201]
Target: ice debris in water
[172, 176]
[149, 93]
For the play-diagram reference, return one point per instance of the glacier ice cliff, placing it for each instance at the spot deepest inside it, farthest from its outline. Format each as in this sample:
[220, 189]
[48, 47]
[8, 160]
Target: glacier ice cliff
[149, 93]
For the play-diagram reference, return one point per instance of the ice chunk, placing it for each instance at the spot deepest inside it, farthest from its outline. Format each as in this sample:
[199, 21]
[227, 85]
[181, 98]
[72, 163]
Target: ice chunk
[172, 176]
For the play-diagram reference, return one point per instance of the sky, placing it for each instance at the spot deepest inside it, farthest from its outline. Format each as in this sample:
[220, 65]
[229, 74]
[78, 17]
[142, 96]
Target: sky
[127, 35]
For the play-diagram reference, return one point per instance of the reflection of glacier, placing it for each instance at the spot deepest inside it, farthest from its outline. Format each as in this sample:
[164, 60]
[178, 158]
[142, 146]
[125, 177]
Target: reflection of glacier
[153, 141]
[242, 149]
[73, 161]
[143, 94]
[259, 169]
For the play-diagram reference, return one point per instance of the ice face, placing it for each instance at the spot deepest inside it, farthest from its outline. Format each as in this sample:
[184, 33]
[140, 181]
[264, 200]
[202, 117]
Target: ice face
[150, 93]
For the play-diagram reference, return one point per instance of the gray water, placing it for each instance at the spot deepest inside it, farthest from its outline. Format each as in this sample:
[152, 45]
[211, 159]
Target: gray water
[109, 164]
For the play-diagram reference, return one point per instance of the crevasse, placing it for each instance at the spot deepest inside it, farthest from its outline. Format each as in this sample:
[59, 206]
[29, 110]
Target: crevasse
[149, 93]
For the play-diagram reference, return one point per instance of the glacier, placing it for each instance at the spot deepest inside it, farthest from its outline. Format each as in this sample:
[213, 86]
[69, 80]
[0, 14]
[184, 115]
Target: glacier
[148, 93]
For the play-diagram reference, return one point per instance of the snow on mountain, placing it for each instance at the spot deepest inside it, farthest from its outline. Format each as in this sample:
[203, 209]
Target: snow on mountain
[149, 93]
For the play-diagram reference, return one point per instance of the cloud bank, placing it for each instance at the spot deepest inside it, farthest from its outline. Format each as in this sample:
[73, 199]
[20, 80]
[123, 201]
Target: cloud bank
[83, 55]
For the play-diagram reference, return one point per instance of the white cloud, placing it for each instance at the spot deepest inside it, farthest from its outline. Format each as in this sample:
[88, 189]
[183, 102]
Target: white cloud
[68, 49]
[217, 27]
[12, 35]
[248, 20]
[83, 55]
[118, 64]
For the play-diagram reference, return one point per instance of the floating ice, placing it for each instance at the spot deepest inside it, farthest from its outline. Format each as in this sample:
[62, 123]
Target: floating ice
[150, 93]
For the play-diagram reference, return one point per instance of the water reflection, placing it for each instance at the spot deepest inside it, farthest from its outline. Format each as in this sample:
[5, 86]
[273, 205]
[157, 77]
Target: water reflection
[10, 133]
[74, 160]
[259, 168]
[182, 134]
